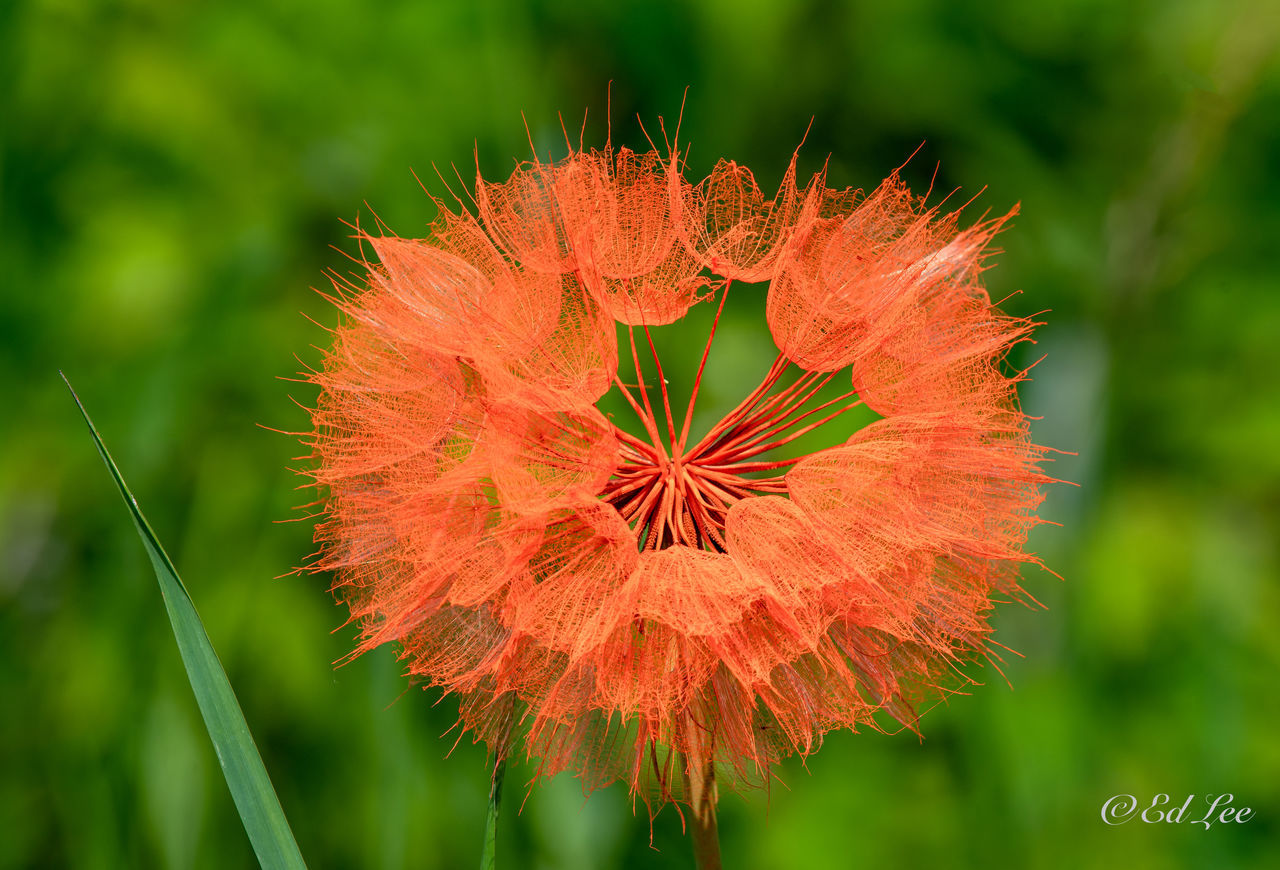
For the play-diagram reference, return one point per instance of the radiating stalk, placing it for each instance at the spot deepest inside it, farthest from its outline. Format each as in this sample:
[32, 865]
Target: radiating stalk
[666, 398]
[697, 381]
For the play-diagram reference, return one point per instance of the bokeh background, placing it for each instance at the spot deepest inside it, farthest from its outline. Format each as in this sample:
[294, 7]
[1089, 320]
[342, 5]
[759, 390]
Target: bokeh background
[173, 182]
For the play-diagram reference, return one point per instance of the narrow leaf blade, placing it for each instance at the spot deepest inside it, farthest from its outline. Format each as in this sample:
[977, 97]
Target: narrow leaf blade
[246, 776]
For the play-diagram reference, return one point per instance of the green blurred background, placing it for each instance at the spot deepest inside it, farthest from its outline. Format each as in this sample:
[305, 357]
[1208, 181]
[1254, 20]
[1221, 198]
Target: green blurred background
[172, 179]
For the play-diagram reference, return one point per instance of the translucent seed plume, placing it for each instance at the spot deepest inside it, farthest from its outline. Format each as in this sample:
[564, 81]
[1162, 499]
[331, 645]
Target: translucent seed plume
[644, 600]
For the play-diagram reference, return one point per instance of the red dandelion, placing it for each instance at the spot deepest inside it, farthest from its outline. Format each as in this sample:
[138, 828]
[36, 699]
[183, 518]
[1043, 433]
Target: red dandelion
[667, 609]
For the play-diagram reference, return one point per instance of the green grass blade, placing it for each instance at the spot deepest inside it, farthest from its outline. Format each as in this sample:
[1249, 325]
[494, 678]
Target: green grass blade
[246, 776]
[488, 855]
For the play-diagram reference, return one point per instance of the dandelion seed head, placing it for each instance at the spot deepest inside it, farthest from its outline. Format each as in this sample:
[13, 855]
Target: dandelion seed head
[630, 606]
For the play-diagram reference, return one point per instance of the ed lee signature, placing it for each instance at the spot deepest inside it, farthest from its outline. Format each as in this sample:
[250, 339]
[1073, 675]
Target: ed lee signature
[1219, 809]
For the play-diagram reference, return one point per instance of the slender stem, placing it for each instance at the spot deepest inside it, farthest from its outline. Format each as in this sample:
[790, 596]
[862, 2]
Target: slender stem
[744, 467]
[744, 407]
[649, 424]
[697, 381]
[772, 415]
[700, 786]
[706, 841]
[753, 447]
[666, 399]
[627, 438]
[623, 486]
[488, 854]
[790, 401]
[643, 505]
[650, 419]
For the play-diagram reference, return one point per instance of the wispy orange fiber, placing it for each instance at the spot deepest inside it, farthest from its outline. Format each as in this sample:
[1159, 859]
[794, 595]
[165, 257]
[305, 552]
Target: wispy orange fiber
[651, 608]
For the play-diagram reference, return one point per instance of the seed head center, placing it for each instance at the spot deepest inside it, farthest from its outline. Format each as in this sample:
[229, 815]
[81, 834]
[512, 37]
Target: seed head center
[673, 495]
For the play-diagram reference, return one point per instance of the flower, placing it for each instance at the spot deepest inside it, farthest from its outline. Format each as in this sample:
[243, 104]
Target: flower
[639, 607]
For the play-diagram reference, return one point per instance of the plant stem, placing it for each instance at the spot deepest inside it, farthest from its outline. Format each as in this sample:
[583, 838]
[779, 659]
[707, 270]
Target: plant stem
[706, 841]
[489, 853]
[701, 788]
